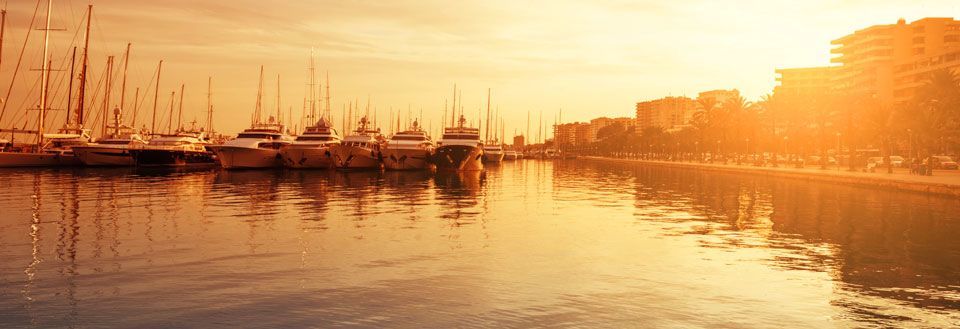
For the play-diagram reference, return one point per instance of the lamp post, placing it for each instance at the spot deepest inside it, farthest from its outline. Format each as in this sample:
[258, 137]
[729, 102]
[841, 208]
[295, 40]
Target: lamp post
[696, 149]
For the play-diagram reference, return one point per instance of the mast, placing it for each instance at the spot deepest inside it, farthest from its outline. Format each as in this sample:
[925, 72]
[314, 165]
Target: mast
[106, 94]
[313, 89]
[136, 99]
[170, 113]
[259, 108]
[487, 134]
[81, 94]
[326, 99]
[3, 26]
[73, 60]
[453, 115]
[45, 77]
[180, 110]
[123, 83]
[278, 101]
[209, 104]
[156, 95]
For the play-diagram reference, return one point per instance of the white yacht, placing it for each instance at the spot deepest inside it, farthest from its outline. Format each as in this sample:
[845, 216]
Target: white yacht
[510, 155]
[493, 152]
[256, 147]
[360, 150]
[113, 150]
[55, 150]
[181, 149]
[408, 150]
[460, 148]
[312, 149]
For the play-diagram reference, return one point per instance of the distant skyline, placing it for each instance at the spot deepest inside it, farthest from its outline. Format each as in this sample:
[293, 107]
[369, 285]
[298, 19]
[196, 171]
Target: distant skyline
[591, 58]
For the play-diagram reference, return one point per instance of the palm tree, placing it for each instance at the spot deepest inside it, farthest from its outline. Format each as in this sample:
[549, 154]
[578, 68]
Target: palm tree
[936, 111]
[734, 109]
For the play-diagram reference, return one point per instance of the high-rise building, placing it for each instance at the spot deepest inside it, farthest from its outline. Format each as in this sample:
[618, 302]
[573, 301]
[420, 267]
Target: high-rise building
[804, 81]
[574, 134]
[666, 113]
[518, 141]
[890, 61]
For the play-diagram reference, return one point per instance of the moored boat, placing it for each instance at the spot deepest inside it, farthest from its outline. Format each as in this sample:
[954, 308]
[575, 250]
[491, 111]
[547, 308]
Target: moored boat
[181, 149]
[255, 148]
[460, 149]
[360, 150]
[408, 150]
[312, 149]
[113, 150]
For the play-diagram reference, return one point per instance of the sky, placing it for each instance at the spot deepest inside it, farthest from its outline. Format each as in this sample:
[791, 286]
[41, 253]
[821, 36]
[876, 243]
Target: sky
[588, 58]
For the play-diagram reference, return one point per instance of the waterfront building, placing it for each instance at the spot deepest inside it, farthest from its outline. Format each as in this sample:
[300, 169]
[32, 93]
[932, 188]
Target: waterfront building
[667, 112]
[889, 61]
[804, 81]
[519, 141]
[575, 134]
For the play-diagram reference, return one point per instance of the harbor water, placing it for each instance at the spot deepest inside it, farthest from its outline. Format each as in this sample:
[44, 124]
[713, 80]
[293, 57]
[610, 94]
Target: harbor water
[525, 243]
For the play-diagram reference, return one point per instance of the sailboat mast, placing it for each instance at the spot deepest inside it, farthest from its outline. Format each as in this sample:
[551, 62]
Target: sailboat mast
[45, 77]
[487, 134]
[170, 113]
[123, 83]
[313, 89]
[209, 104]
[453, 112]
[136, 98]
[3, 27]
[326, 99]
[256, 112]
[180, 108]
[106, 95]
[278, 100]
[84, 62]
[156, 96]
[73, 61]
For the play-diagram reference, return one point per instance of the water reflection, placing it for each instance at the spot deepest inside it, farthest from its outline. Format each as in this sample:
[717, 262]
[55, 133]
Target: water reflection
[521, 244]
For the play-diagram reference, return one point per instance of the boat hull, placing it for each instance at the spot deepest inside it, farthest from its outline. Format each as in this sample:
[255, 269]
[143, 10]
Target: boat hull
[489, 157]
[30, 159]
[459, 158]
[355, 158]
[171, 158]
[511, 156]
[319, 157]
[247, 158]
[406, 159]
[104, 156]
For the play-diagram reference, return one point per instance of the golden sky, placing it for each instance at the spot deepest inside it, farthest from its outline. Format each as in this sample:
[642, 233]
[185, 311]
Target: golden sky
[591, 58]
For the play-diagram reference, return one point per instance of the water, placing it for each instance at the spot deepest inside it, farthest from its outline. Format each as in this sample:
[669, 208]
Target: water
[528, 243]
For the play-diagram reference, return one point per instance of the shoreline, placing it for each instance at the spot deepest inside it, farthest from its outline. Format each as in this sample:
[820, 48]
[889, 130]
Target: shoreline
[897, 182]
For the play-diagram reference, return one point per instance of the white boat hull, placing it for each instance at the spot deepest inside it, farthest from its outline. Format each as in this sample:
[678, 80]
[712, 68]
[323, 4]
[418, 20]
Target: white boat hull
[406, 159]
[459, 158]
[104, 156]
[247, 158]
[28, 159]
[490, 157]
[318, 157]
[355, 158]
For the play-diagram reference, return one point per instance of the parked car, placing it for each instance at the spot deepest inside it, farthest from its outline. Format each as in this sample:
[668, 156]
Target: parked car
[943, 162]
[897, 161]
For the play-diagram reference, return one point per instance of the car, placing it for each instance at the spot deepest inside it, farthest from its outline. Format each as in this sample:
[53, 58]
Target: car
[943, 162]
[897, 161]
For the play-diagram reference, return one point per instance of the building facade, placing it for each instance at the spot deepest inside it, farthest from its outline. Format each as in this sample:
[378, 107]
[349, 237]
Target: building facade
[666, 113]
[804, 81]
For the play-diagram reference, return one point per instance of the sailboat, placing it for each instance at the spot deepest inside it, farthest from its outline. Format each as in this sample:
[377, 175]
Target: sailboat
[256, 147]
[359, 150]
[410, 149]
[50, 150]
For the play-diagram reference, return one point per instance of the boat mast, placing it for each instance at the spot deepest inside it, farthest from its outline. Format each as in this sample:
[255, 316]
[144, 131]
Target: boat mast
[170, 113]
[44, 76]
[123, 83]
[106, 95]
[73, 60]
[84, 62]
[209, 104]
[156, 95]
[3, 26]
[180, 110]
[256, 112]
[326, 99]
[313, 89]
[136, 98]
[487, 133]
[279, 121]
[453, 115]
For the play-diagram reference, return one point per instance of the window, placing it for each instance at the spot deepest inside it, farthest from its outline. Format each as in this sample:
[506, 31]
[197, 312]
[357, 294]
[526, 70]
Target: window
[917, 40]
[951, 38]
[917, 51]
[919, 29]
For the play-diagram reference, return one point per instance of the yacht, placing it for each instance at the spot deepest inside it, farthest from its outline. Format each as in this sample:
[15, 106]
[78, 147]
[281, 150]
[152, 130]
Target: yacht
[256, 147]
[460, 149]
[493, 152]
[312, 149]
[55, 150]
[407, 150]
[510, 155]
[113, 150]
[181, 149]
[360, 150]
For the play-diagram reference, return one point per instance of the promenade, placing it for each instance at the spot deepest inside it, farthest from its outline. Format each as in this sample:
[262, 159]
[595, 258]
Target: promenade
[943, 182]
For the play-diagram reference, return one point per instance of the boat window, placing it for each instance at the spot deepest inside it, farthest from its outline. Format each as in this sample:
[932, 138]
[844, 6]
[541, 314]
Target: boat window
[254, 135]
[315, 138]
[407, 138]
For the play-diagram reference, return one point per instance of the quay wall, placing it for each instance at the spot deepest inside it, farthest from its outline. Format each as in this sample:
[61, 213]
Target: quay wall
[829, 176]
